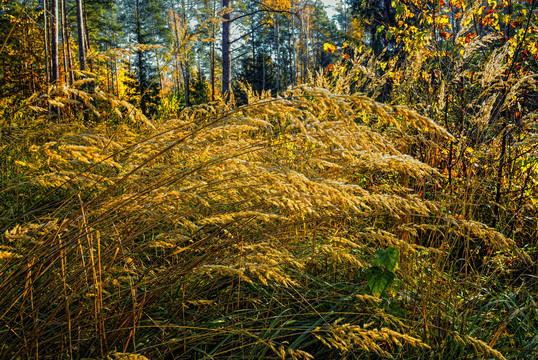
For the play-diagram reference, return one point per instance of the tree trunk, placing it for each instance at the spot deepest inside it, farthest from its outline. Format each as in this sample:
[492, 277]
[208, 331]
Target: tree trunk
[116, 75]
[187, 82]
[186, 65]
[66, 52]
[87, 35]
[159, 69]
[46, 38]
[263, 73]
[140, 60]
[291, 47]
[226, 59]
[81, 43]
[213, 55]
[81, 48]
[158, 62]
[175, 25]
[279, 62]
[55, 70]
[46, 30]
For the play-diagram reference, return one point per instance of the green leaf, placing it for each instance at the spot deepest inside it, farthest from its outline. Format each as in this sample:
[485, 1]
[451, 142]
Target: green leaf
[388, 258]
[378, 280]
[393, 257]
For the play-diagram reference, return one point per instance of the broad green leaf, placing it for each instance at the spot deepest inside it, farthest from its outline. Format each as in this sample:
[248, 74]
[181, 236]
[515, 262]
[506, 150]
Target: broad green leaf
[379, 281]
[388, 258]
[393, 257]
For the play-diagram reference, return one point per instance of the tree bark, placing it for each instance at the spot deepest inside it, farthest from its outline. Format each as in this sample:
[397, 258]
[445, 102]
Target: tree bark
[185, 62]
[226, 58]
[46, 31]
[66, 50]
[174, 23]
[81, 32]
[279, 62]
[213, 55]
[55, 70]
[187, 82]
[159, 70]
[81, 49]
[140, 61]
[89, 63]
[116, 75]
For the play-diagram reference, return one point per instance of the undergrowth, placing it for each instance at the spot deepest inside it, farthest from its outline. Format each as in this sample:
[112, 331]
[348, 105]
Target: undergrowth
[303, 226]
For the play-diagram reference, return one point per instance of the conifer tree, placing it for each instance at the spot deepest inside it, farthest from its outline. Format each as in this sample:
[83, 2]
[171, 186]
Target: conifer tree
[145, 26]
[376, 16]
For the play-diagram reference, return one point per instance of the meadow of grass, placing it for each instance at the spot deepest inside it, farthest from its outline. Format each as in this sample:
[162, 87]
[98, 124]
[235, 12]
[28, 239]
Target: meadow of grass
[320, 224]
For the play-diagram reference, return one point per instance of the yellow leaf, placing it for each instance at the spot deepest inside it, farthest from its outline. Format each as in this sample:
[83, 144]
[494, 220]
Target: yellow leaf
[329, 48]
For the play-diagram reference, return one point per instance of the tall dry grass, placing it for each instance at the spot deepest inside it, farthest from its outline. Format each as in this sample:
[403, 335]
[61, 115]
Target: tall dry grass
[252, 232]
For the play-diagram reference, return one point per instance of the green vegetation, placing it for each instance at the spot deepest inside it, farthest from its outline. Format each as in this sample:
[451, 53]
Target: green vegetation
[383, 206]
[296, 227]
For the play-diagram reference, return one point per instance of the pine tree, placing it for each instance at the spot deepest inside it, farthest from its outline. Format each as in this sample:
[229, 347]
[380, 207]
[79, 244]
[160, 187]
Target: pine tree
[260, 73]
[144, 25]
[376, 16]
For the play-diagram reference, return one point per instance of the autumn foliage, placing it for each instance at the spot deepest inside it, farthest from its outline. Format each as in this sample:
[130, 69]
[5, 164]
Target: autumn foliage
[382, 206]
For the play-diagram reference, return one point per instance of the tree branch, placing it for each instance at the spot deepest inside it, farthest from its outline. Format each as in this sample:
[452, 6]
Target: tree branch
[267, 10]
[246, 34]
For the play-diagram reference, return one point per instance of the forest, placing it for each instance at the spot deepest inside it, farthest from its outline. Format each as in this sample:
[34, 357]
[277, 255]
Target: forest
[268, 179]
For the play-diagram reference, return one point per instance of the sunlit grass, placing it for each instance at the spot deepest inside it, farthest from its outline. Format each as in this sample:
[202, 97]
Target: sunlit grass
[299, 227]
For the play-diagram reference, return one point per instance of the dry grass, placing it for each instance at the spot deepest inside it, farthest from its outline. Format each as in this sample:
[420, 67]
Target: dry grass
[248, 233]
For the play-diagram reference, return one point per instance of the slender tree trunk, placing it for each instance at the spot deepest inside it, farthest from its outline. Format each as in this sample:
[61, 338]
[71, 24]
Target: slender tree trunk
[293, 58]
[81, 48]
[108, 69]
[67, 45]
[186, 65]
[277, 56]
[226, 58]
[87, 35]
[140, 60]
[116, 75]
[213, 67]
[158, 62]
[64, 42]
[263, 73]
[81, 42]
[46, 36]
[177, 47]
[109, 81]
[187, 82]
[55, 69]
[302, 52]
[213, 55]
